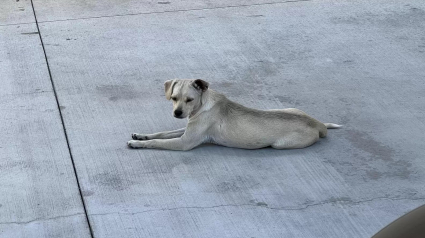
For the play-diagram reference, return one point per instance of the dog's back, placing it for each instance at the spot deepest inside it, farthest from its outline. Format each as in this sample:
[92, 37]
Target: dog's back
[239, 126]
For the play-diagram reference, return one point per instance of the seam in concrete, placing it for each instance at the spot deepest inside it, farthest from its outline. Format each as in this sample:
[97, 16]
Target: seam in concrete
[28, 93]
[17, 24]
[173, 11]
[299, 208]
[63, 123]
[39, 219]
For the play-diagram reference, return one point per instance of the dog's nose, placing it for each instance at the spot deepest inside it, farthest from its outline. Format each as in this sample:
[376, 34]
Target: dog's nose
[177, 113]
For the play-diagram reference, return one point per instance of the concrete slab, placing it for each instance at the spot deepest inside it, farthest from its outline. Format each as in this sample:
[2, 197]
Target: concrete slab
[355, 63]
[39, 196]
[22, 63]
[54, 10]
[16, 12]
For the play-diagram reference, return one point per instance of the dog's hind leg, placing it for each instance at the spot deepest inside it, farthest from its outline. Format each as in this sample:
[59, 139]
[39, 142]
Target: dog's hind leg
[159, 135]
[296, 141]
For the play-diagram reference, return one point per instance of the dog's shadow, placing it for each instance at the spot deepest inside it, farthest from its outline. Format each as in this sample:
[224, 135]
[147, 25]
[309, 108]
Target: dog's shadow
[213, 150]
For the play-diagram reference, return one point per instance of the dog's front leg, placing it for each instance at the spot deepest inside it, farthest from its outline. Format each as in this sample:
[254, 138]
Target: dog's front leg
[159, 135]
[194, 135]
[181, 143]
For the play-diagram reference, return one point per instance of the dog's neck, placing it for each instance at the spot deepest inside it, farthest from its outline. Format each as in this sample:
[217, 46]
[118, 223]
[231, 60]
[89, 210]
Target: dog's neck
[208, 100]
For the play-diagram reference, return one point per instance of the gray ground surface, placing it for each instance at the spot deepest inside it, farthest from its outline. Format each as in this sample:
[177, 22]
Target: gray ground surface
[356, 63]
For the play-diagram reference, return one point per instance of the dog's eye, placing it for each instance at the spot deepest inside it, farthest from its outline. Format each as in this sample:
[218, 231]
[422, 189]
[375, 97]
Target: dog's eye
[189, 99]
[174, 99]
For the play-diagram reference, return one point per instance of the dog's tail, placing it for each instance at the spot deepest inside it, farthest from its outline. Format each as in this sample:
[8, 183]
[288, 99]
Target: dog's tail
[323, 128]
[332, 125]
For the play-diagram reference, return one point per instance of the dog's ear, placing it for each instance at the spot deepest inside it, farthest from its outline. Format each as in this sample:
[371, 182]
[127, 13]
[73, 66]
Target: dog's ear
[169, 85]
[200, 84]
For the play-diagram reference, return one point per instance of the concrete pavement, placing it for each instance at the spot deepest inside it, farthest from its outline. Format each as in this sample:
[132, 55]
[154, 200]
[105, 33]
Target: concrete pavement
[39, 195]
[357, 63]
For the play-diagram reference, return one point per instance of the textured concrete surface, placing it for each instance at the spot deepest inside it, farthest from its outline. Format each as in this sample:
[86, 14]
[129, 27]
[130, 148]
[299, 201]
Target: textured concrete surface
[15, 12]
[54, 10]
[356, 63]
[39, 195]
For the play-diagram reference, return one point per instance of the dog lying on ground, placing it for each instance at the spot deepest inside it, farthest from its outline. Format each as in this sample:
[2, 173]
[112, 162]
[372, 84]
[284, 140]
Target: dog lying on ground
[215, 119]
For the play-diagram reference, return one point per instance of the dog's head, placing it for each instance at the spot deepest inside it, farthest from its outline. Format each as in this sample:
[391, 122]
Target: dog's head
[186, 95]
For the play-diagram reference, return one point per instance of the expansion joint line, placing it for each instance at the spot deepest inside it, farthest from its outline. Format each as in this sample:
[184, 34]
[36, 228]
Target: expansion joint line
[63, 123]
[176, 11]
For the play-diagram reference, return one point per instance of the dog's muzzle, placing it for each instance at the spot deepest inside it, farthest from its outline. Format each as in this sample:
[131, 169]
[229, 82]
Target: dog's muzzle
[178, 113]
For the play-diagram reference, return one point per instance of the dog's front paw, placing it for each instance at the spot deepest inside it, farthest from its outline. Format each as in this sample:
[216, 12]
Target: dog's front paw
[136, 136]
[134, 144]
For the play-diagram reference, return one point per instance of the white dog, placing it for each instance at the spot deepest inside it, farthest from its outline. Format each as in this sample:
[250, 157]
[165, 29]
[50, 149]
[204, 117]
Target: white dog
[215, 119]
